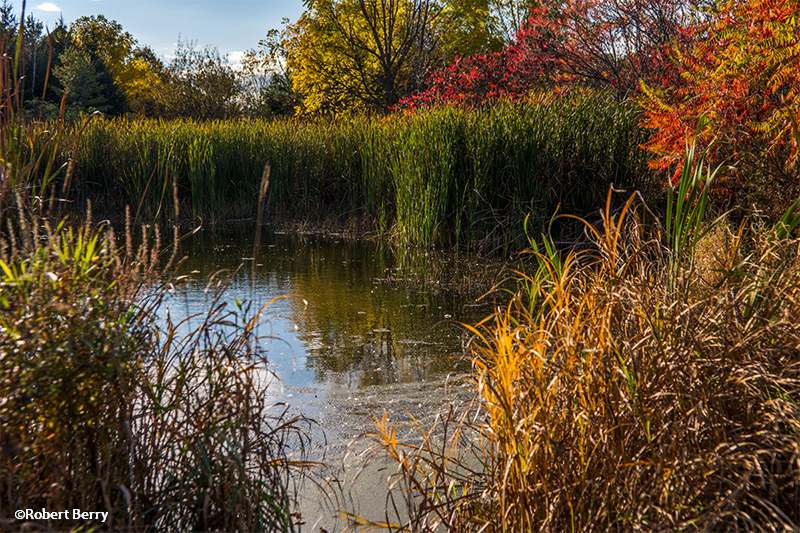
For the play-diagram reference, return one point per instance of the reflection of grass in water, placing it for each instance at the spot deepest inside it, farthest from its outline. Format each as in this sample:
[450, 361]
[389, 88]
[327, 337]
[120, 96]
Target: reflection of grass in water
[467, 276]
[352, 289]
[363, 325]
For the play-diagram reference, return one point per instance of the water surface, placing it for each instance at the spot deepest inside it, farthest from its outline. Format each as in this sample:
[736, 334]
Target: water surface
[352, 330]
[341, 314]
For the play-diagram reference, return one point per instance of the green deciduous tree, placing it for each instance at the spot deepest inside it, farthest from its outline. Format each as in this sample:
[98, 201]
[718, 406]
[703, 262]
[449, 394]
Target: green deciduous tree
[87, 82]
[106, 39]
[136, 77]
[200, 84]
[464, 28]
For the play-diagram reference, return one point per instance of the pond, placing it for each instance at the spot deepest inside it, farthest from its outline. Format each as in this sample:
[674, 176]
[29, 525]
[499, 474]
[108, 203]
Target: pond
[353, 329]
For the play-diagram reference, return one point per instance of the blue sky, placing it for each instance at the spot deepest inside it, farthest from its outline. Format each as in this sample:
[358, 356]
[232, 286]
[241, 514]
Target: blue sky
[231, 26]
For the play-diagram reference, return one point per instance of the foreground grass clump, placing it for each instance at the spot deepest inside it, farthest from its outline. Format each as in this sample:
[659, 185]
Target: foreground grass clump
[105, 407]
[439, 177]
[630, 385]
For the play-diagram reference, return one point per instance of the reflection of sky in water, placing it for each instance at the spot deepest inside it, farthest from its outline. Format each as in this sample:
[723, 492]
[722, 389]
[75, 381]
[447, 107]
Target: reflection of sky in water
[337, 323]
[277, 332]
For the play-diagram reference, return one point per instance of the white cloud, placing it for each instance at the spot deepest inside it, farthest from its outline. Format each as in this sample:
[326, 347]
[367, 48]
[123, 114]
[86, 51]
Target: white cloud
[235, 58]
[48, 7]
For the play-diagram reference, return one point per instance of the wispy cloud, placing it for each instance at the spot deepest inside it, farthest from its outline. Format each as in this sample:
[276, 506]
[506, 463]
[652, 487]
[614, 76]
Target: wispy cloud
[48, 7]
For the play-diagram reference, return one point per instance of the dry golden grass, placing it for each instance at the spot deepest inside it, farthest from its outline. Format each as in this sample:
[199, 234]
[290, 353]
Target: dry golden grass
[617, 392]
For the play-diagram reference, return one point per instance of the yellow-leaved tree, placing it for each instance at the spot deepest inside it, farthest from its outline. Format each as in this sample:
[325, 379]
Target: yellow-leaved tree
[137, 75]
[356, 55]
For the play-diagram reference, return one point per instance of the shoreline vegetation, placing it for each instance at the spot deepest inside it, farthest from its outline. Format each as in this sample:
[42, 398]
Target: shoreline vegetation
[446, 177]
[642, 372]
[646, 381]
[106, 406]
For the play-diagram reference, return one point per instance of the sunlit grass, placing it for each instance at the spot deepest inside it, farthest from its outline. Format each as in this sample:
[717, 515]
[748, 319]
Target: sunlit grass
[104, 406]
[632, 384]
[446, 176]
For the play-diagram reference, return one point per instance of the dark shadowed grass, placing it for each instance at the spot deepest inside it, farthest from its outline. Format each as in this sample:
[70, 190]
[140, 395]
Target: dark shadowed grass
[628, 385]
[104, 407]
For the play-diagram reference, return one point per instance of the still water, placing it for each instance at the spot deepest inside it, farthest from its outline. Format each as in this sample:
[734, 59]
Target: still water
[352, 329]
[340, 314]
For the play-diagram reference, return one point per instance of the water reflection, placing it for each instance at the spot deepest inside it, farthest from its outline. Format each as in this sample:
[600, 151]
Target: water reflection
[347, 316]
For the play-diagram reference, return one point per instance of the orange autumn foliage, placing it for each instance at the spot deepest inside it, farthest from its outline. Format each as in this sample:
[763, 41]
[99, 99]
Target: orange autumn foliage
[739, 95]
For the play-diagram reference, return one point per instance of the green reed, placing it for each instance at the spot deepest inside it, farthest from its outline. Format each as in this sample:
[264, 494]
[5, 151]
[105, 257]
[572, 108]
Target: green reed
[446, 176]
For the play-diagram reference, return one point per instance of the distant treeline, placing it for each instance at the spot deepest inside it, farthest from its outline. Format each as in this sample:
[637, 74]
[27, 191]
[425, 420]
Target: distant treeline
[94, 65]
[445, 176]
